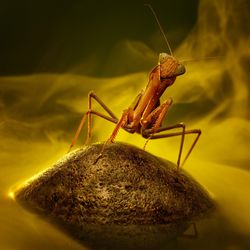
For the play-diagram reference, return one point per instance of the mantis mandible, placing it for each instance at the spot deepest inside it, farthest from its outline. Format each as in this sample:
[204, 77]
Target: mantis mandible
[146, 114]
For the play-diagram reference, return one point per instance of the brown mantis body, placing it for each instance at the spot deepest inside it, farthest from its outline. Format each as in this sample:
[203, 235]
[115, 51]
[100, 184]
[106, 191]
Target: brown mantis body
[146, 114]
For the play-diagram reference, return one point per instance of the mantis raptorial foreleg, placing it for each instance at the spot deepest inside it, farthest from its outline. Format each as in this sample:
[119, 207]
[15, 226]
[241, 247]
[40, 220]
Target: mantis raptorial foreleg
[112, 118]
[155, 118]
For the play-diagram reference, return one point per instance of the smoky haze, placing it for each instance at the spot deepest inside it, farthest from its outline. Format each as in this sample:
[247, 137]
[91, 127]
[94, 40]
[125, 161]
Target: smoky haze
[41, 109]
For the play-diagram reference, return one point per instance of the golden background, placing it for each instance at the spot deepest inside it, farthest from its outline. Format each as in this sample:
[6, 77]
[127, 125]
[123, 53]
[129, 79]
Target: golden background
[42, 102]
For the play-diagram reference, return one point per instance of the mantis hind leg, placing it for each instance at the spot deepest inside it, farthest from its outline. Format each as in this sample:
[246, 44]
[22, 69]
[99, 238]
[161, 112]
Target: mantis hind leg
[112, 118]
[93, 96]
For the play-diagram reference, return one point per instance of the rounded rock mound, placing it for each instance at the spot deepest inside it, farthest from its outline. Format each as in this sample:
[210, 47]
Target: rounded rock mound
[126, 186]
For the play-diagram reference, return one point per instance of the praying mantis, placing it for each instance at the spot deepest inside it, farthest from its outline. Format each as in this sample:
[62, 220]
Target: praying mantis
[146, 114]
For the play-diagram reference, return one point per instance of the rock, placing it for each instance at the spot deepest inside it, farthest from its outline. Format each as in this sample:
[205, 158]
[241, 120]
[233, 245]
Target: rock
[126, 187]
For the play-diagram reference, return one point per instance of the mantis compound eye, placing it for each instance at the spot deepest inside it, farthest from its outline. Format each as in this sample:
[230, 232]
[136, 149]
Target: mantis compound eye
[180, 70]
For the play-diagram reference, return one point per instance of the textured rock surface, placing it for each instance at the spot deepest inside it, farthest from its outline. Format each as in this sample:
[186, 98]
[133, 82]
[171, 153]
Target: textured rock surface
[125, 186]
[128, 199]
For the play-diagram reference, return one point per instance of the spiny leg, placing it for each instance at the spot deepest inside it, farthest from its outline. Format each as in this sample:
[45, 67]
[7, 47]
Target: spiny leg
[193, 131]
[198, 132]
[155, 119]
[92, 112]
[119, 124]
[126, 116]
[78, 132]
[91, 96]
[88, 114]
[179, 125]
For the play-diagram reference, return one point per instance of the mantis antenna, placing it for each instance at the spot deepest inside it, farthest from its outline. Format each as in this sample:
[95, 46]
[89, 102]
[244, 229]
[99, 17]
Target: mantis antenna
[161, 29]
[200, 59]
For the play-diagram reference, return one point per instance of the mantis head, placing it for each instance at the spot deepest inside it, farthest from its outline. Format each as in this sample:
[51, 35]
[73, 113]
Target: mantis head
[169, 66]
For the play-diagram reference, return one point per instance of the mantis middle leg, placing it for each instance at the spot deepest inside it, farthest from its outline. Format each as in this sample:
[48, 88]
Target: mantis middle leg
[154, 135]
[155, 118]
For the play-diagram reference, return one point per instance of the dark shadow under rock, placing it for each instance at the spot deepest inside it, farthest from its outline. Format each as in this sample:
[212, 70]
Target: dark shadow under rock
[126, 193]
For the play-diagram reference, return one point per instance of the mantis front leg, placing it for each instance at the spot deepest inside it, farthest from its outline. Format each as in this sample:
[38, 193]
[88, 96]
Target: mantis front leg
[155, 118]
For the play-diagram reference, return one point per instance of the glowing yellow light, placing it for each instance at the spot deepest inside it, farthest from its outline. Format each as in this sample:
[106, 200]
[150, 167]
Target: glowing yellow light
[11, 195]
